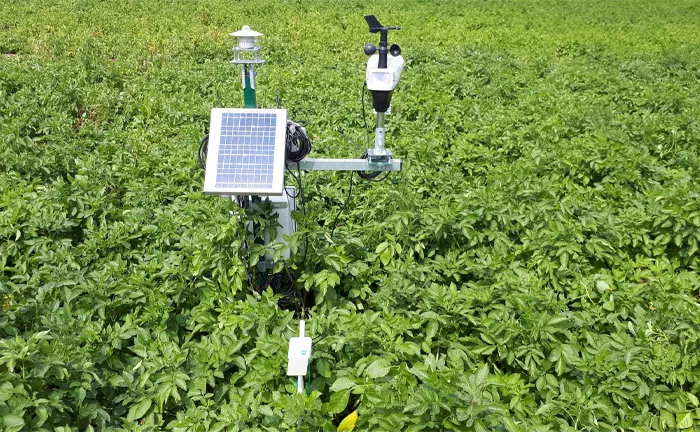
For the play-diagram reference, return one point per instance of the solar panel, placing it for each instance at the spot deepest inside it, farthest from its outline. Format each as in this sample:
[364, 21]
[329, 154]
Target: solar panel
[246, 152]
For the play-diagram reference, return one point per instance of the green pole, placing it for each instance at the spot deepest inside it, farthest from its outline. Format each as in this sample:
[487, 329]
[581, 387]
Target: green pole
[248, 90]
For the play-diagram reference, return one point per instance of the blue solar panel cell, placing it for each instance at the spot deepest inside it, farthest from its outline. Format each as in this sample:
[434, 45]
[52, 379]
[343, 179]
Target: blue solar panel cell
[247, 151]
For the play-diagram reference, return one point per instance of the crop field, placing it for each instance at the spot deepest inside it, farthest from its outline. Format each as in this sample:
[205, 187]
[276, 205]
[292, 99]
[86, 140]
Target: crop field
[534, 267]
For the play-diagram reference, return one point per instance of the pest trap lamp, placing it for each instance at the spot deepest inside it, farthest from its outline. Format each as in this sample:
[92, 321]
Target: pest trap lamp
[247, 54]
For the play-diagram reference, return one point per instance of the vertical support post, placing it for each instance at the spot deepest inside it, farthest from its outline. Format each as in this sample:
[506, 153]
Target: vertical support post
[379, 134]
[300, 378]
[249, 86]
[299, 356]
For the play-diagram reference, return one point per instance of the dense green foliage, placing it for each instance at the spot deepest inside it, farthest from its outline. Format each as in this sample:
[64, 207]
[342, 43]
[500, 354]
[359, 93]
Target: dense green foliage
[535, 266]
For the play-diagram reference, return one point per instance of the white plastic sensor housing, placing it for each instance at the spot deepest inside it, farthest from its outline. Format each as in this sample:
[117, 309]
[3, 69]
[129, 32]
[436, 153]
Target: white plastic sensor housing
[246, 37]
[384, 79]
[298, 356]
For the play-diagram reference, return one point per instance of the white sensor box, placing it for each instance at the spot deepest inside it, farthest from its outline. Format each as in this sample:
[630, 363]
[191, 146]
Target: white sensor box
[299, 354]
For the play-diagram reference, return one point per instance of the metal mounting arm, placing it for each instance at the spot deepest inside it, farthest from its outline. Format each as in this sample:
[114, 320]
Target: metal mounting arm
[346, 165]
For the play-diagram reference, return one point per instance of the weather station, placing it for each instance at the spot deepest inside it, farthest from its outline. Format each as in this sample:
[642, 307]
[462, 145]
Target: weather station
[247, 151]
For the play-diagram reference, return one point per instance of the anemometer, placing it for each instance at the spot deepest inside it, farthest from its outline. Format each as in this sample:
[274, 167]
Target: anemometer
[247, 150]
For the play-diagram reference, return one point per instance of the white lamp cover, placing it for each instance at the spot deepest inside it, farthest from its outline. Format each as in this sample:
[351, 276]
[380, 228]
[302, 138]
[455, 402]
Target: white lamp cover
[246, 37]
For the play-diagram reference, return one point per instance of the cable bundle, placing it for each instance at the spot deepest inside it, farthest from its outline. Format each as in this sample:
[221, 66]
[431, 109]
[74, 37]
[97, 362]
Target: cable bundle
[202, 152]
[298, 144]
[282, 284]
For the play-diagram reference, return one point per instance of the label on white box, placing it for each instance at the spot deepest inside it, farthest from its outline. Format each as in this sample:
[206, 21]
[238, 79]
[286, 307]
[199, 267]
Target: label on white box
[299, 354]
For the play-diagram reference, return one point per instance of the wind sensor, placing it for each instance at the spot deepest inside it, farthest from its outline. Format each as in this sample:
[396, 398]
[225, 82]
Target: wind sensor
[384, 69]
[383, 73]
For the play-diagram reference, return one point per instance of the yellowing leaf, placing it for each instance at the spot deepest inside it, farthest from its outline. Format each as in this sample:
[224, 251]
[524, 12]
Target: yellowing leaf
[348, 423]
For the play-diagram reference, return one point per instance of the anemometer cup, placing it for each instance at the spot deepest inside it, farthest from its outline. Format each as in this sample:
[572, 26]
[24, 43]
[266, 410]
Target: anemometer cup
[370, 48]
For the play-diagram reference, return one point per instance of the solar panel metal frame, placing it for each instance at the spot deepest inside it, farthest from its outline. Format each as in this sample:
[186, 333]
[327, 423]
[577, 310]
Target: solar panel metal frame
[210, 177]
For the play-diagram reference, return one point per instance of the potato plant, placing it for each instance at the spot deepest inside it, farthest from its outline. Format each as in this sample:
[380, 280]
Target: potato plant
[533, 268]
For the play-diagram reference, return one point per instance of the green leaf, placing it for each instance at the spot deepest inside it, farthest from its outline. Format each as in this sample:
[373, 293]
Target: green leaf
[544, 409]
[560, 366]
[609, 305]
[479, 426]
[13, 421]
[432, 329]
[42, 415]
[5, 391]
[556, 320]
[338, 402]
[80, 395]
[378, 368]
[381, 247]
[684, 420]
[482, 375]
[386, 255]
[139, 410]
[323, 368]
[342, 383]
[218, 426]
[667, 418]
[678, 239]
[511, 426]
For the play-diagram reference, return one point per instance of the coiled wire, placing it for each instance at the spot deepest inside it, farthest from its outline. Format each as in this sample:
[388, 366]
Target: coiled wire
[298, 144]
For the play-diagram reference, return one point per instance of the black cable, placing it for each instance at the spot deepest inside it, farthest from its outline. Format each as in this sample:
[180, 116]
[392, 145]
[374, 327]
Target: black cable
[388, 173]
[202, 152]
[347, 200]
[300, 303]
[300, 193]
[298, 145]
[369, 175]
[245, 265]
[284, 287]
[303, 210]
[364, 115]
[297, 180]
